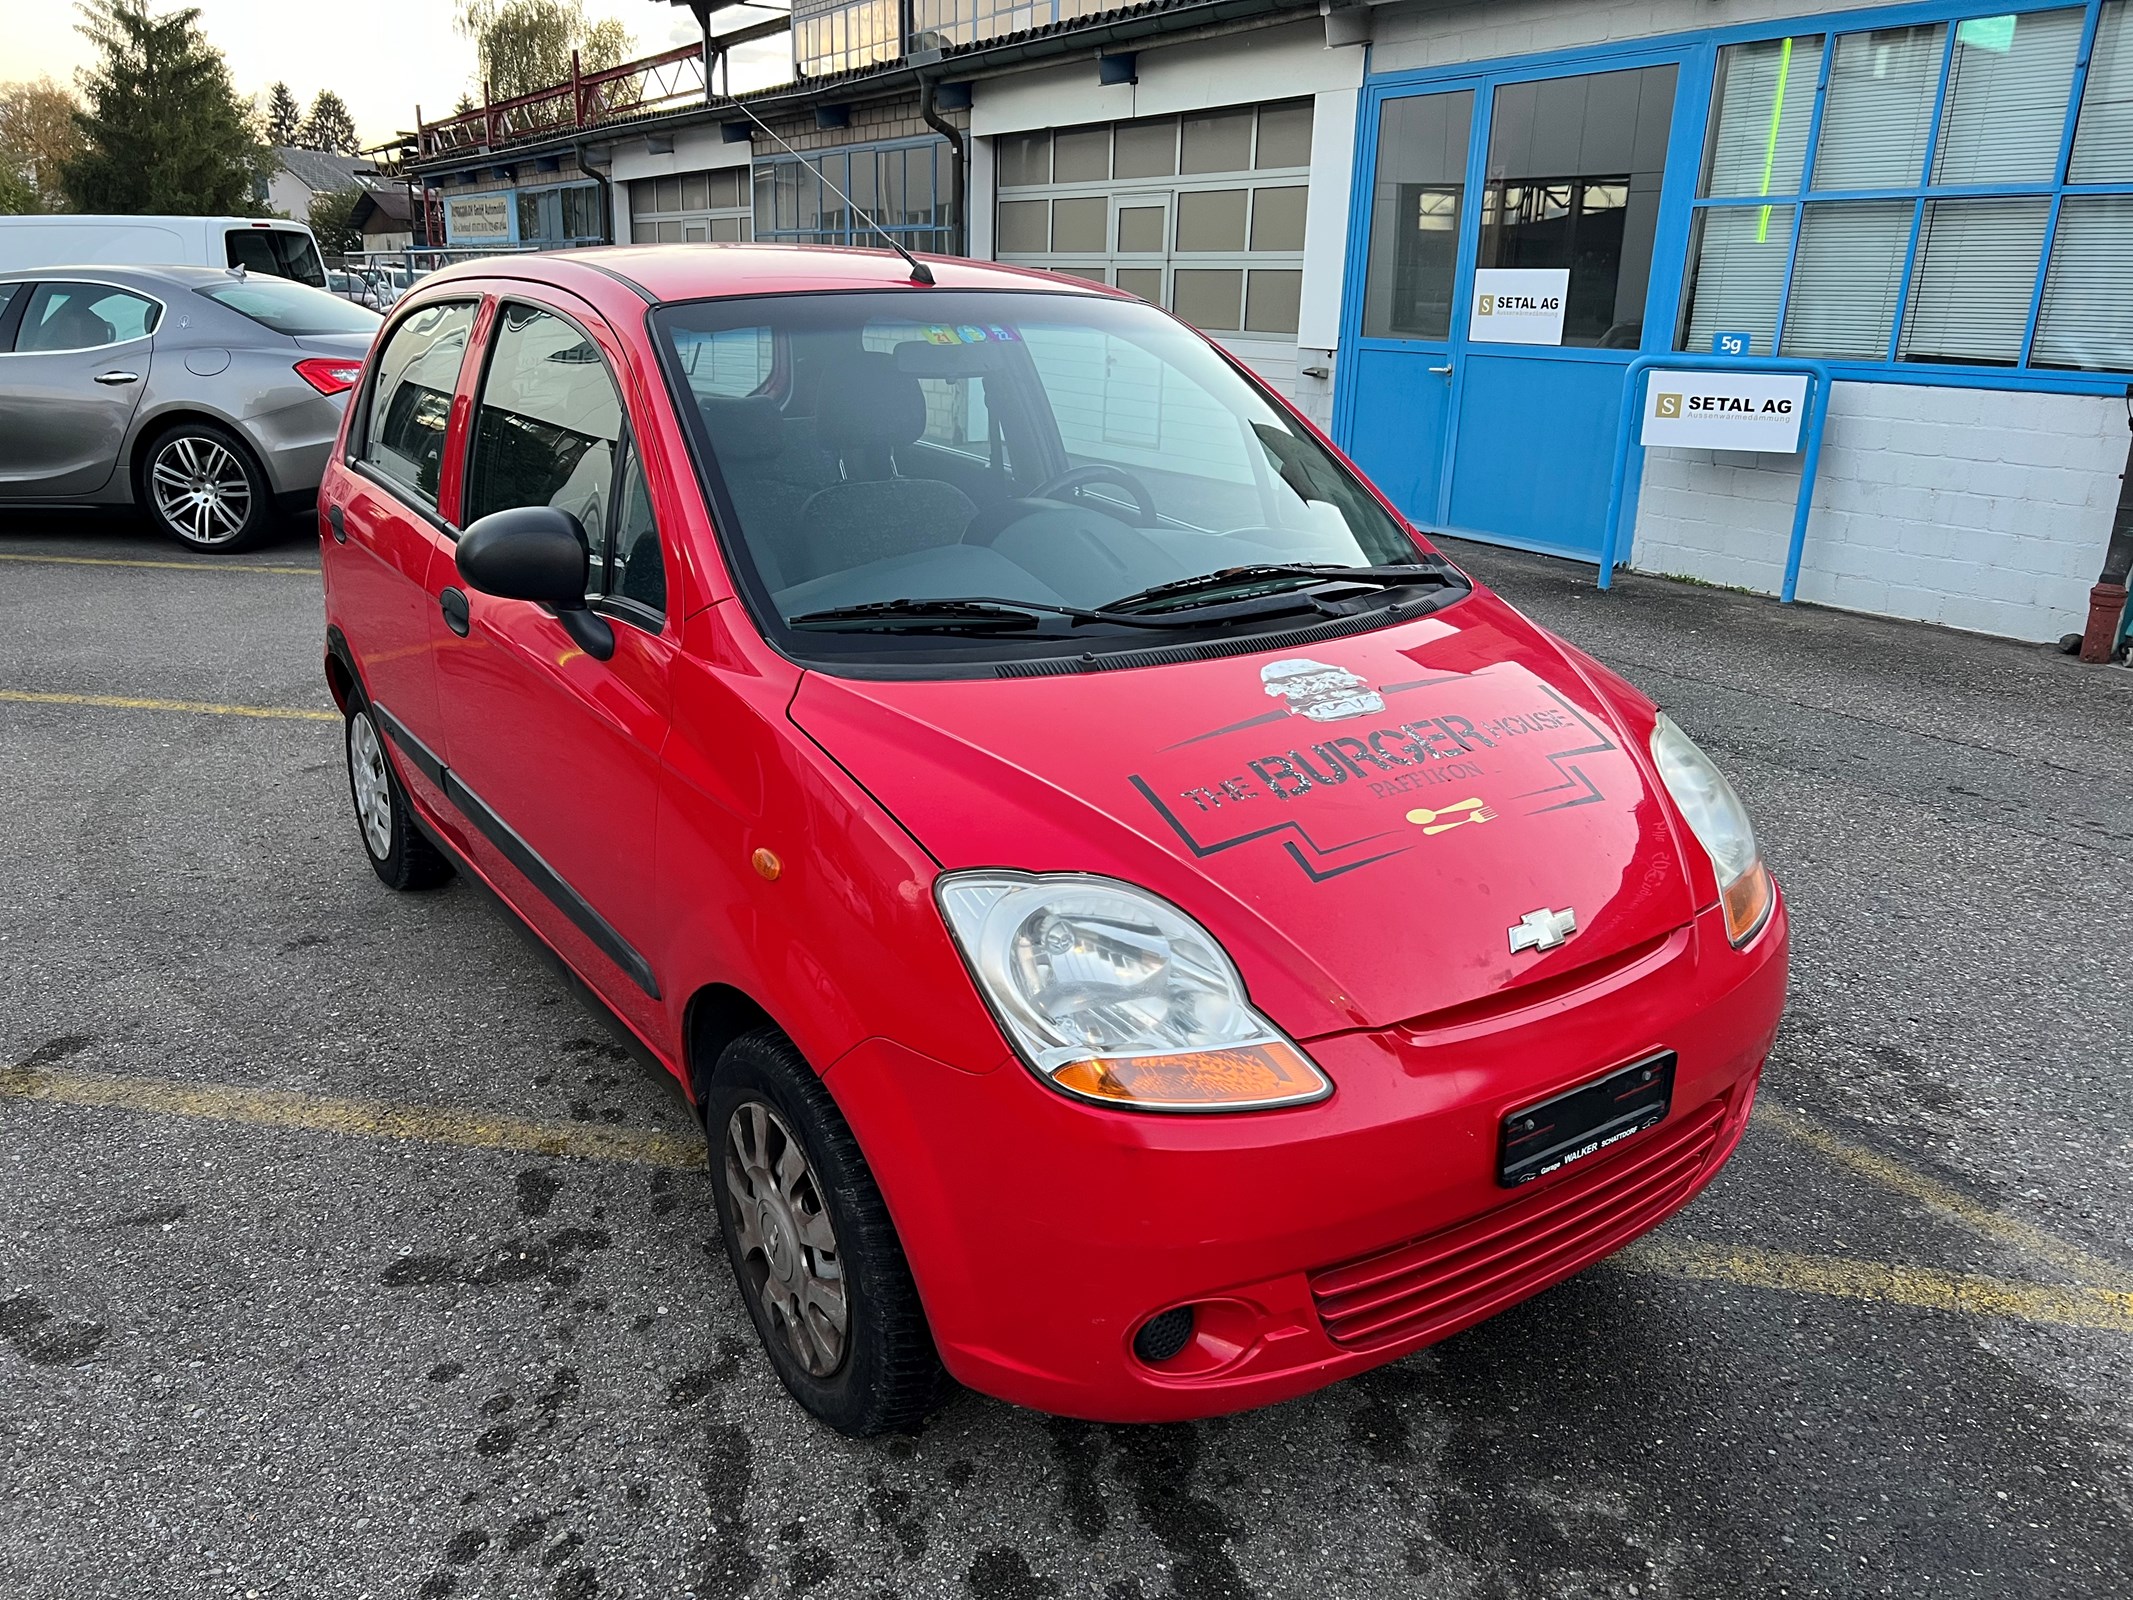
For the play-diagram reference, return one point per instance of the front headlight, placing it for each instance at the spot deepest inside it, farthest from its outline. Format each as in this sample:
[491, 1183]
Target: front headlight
[1720, 822]
[1113, 995]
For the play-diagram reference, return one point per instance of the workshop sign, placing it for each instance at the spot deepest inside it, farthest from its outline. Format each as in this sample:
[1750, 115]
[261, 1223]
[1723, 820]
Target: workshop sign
[1725, 410]
[482, 217]
[1518, 305]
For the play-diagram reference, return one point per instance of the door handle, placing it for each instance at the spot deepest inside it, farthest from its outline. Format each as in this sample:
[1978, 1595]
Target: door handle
[118, 377]
[453, 603]
[1443, 371]
[337, 523]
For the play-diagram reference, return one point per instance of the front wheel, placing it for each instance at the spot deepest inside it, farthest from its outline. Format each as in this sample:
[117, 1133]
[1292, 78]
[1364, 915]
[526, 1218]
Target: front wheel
[201, 485]
[812, 1246]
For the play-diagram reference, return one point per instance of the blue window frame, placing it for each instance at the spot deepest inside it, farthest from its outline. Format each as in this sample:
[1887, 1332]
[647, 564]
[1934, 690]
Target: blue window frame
[1945, 193]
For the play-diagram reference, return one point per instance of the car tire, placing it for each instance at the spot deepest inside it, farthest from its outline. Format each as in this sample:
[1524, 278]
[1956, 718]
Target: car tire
[202, 485]
[399, 852]
[798, 1239]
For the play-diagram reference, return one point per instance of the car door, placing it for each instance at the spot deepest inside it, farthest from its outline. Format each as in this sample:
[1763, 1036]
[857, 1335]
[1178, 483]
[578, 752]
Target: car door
[74, 358]
[555, 755]
[391, 550]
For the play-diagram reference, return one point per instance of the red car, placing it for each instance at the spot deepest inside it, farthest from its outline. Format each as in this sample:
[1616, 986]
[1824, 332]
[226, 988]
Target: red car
[1146, 933]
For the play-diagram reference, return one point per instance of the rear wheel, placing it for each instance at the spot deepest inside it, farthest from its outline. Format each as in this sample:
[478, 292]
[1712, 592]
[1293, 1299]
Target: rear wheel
[201, 485]
[812, 1245]
[399, 853]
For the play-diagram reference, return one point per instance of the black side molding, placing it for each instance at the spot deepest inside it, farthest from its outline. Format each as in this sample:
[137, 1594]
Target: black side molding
[522, 855]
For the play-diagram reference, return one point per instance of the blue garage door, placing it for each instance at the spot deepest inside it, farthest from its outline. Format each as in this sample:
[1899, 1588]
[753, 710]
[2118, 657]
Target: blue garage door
[1518, 240]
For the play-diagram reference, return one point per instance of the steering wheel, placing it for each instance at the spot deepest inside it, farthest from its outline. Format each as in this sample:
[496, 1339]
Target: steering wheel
[1073, 479]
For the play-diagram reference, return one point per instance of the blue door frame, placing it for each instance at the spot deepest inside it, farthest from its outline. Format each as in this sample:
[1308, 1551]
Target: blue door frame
[1514, 444]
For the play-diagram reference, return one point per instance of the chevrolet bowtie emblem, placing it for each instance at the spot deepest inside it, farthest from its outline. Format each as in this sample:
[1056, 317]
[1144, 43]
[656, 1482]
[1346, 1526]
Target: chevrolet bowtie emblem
[1543, 929]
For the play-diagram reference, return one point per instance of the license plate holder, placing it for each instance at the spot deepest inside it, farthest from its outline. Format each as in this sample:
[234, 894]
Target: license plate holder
[1581, 1122]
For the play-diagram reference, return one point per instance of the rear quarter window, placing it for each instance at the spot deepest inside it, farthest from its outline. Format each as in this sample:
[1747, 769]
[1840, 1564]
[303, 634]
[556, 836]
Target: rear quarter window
[277, 252]
[291, 308]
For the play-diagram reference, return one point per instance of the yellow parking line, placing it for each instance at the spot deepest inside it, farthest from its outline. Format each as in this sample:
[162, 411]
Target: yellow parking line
[1964, 1293]
[203, 707]
[1931, 1192]
[281, 1108]
[1827, 1277]
[182, 566]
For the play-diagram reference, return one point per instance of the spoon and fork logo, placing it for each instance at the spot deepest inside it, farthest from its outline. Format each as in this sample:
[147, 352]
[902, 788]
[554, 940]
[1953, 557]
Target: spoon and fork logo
[1455, 815]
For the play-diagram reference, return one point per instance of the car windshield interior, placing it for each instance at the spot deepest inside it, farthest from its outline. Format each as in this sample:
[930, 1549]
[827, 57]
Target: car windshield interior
[933, 470]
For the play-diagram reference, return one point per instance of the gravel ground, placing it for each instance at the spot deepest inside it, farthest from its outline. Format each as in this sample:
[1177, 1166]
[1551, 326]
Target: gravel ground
[242, 1360]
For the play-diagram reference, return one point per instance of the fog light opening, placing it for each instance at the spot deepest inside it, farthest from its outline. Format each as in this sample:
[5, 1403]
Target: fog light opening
[1163, 1335]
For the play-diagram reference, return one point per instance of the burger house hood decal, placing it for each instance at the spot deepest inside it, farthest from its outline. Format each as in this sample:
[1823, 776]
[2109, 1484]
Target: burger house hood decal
[1428, 767]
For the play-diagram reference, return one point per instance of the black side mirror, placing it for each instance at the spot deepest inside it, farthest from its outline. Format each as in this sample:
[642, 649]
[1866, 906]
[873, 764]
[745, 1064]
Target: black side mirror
[536, 553]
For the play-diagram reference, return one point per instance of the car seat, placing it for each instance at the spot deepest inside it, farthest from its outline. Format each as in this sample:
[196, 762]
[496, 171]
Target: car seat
[866, 415]
[73, 326]
[747, 436]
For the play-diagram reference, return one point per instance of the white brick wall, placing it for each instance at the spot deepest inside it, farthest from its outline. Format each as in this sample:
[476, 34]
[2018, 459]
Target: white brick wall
[1975, 508]
[1433, 35]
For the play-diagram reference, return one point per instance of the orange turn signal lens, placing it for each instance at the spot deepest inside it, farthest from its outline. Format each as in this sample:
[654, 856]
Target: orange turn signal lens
[1747, 901]
[1213, 1080]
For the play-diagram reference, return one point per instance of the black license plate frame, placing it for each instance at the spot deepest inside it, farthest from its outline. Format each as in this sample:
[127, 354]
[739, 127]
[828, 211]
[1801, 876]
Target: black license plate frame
[1579, 1123]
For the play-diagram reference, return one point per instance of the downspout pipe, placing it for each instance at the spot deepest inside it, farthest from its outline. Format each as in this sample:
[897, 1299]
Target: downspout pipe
[958, 163]
[607, 193]
[2107, 600]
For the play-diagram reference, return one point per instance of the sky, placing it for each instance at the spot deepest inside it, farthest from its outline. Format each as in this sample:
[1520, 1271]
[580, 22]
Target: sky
[384, 57]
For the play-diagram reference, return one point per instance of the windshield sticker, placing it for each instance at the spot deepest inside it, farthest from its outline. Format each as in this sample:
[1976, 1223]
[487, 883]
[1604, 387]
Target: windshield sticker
[967, 333]
[1342, 801]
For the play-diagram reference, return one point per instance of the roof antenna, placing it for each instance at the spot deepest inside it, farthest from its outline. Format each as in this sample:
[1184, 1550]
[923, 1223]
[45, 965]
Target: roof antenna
[920, 272]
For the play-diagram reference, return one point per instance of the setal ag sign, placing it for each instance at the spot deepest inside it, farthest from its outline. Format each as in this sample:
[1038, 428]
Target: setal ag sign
[1725, 410]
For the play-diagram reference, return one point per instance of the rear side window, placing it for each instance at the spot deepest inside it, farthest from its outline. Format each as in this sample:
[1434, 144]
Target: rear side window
[291, 308]
[276, 252]
[83, 316]
[549, 432]
[411, 398]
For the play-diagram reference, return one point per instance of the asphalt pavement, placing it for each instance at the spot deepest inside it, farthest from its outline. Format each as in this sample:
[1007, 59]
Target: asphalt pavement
[343, 1252]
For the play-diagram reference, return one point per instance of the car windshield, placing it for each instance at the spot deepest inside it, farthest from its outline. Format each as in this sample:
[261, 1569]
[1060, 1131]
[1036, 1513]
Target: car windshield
[933, 475]
[292, 308]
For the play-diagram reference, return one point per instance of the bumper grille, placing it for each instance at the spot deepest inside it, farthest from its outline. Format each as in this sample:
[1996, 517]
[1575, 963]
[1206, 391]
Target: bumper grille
[1439, 1284]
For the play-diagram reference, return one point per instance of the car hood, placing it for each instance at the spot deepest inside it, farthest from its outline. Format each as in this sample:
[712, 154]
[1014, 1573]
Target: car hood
[1361, 821]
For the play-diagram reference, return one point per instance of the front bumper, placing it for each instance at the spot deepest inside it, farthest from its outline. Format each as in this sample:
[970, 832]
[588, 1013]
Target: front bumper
[1314, 1243]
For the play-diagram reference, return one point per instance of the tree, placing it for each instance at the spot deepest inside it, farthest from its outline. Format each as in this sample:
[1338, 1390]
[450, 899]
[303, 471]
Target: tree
[525, 45]
[329, 126]
[38, 137]
[330, 219]
[163, 130]
[285, 118]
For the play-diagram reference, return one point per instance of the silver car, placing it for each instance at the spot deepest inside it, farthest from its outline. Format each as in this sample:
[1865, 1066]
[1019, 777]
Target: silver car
[207, 397]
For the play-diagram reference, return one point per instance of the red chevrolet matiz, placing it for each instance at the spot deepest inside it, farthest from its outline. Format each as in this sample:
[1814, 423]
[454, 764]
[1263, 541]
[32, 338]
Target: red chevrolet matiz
[1146, 933]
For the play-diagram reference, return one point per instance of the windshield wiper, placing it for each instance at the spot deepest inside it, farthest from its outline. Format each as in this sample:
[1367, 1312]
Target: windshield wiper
[1212, 585]
[959, 614]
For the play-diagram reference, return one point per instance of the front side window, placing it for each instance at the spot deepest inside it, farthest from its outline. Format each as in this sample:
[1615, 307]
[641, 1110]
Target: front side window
[549, 431]
[934, 476]
[1968, 198]
[410, 403]
[82, 316]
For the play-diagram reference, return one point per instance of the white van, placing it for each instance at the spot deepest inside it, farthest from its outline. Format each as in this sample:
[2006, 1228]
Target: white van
[266, 245]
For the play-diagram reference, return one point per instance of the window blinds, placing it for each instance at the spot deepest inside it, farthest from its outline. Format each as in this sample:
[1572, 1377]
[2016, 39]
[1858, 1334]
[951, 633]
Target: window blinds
[1879, 108]
[2103, 139]
[1740, 275]
[2006, 104]
[1846, 279]
[2087, 318]
[1758, 143]
[1977, 263]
